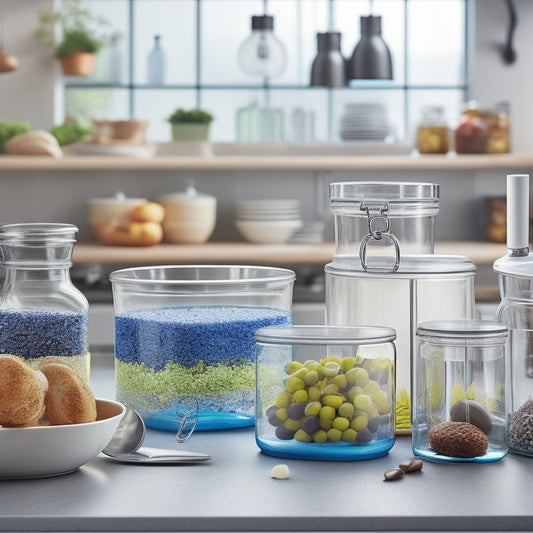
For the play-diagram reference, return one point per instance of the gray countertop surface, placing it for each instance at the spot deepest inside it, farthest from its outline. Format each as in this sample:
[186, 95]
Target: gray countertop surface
[234, 492]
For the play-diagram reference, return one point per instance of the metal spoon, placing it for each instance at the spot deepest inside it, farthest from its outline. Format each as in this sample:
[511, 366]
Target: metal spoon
[125, 446]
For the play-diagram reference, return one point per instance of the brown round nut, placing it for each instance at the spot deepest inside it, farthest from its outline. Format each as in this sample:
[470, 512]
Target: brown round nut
[413, 465]
[393, 473]
[472, 412]
[458, 439]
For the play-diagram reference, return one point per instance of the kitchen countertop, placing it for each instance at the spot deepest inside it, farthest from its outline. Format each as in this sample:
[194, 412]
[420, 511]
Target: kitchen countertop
[234, 492]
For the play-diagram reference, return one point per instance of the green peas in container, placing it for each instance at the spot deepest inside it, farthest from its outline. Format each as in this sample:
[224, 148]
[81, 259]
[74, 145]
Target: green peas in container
[325, 392]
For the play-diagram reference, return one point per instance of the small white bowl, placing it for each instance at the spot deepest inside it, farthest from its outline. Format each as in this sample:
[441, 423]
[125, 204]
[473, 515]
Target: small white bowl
[43, 451]
[267, 232]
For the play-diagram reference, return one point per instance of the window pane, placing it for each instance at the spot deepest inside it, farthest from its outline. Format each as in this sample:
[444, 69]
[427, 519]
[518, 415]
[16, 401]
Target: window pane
[436, 42]
[157, 105]
[175, 22]
[97, 103]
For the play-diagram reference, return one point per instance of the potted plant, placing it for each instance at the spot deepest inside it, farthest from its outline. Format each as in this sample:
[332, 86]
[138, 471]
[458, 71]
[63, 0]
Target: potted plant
[190, 125]
[80, 41]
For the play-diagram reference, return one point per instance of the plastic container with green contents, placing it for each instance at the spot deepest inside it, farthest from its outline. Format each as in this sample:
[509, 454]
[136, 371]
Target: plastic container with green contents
[188, 331]
[324, 392]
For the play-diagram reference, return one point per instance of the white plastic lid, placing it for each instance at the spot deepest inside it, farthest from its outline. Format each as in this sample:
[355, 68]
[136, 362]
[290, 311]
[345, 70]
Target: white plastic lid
[461, 328]
[521, 267]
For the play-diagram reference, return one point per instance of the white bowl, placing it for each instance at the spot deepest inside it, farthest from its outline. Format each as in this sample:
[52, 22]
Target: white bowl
[267, 232]
[44, 451]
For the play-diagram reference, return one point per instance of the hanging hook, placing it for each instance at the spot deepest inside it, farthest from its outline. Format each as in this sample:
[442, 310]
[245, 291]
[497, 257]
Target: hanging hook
[508, 52]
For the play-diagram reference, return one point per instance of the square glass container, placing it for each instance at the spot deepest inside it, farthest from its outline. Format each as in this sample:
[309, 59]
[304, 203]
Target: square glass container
[325, 392]
[460, 388]
[188, 331]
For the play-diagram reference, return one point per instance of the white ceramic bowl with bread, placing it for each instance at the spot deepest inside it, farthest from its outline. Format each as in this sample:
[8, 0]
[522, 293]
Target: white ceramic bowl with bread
[43, 451]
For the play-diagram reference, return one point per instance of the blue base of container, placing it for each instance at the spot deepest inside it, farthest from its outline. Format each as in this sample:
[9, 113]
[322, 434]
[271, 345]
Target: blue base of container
[490, 457]
[329, 451]
[207, 420]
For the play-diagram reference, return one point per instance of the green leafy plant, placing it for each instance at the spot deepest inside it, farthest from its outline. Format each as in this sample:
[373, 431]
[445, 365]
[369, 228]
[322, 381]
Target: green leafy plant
[193, 116]
[71, 131]
[79, 33]
[8, 130]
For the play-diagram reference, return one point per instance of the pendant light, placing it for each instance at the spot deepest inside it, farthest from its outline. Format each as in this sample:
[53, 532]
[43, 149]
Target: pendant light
[8, 62]
[262, 53]
[371, 58]
[329, 66]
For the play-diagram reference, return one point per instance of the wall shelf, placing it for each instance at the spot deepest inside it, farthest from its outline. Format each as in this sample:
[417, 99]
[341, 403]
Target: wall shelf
[481, 253]
[522, 162]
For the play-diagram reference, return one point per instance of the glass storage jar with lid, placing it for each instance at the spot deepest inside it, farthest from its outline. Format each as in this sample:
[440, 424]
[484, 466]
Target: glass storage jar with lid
[381, 221]
[325, 392]
[43, 316]
[425, 287]
[460, 388]
[188, 331]
[433, 136]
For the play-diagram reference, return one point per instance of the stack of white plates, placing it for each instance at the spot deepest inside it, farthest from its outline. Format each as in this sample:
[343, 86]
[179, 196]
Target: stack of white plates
[268, 221]
[364, 121]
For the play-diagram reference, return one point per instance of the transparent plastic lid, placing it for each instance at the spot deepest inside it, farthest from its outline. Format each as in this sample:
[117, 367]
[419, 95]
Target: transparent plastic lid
[462, 328]
[411, 266]
[325, 335]
[402, 198]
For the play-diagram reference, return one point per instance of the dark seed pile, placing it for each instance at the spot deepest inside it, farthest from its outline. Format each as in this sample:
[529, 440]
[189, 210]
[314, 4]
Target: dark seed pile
[521, 429]
[32, 333]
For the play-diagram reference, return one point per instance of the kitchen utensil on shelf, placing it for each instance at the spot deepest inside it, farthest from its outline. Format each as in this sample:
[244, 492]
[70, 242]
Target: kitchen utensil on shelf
[187, 331]
[384, 272]
[515, 279]
[459, 375]
[126, 444]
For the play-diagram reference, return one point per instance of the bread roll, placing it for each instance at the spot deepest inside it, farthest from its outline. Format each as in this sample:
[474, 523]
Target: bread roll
[22, 392]
[148, 212]
[38, 142]
[129, 233]
[69, 399]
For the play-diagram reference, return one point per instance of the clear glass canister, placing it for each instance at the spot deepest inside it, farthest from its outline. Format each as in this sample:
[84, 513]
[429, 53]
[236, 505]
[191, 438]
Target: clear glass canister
[433, 136]
[43, 316]
[425, 287]
[460, 388]
[515, 275]
[188, 331]
[325, 392]
[381, 221]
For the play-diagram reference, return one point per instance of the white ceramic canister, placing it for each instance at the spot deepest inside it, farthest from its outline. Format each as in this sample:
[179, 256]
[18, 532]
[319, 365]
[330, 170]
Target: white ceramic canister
[190, 216]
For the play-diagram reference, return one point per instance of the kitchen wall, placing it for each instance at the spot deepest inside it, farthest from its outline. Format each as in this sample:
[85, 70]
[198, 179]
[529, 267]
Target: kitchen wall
[34, 93]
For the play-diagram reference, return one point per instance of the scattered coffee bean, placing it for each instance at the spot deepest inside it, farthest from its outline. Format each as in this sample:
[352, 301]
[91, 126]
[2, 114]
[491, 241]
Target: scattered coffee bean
[393, 474]
[413, 465]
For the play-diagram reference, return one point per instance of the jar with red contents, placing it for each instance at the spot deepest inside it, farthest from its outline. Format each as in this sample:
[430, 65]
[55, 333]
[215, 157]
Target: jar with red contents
[472, 133]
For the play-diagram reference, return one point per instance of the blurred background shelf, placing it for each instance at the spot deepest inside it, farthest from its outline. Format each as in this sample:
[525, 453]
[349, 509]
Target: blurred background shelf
[481, 253]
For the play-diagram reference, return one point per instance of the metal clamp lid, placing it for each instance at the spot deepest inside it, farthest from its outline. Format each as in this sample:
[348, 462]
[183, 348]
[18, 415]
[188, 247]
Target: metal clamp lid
[377, 215]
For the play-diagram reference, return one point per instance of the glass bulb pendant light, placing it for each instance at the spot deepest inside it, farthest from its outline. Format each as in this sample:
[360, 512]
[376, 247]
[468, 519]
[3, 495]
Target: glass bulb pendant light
[262, 53]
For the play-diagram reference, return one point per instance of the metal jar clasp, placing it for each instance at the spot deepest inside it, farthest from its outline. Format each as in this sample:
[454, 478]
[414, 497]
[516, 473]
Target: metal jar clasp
[378, 228]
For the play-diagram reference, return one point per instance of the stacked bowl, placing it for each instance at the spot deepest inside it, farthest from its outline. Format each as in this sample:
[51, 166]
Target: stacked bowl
[268, 221]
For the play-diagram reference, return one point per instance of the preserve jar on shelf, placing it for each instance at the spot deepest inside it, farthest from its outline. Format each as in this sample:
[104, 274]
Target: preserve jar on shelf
[325, 392]
[43, 316]
[460, 388]
[432, 135]
[472, 132]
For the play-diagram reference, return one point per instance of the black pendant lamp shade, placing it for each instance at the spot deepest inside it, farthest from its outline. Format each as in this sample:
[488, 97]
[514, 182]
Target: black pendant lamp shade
[371, 58]
[329, 66]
